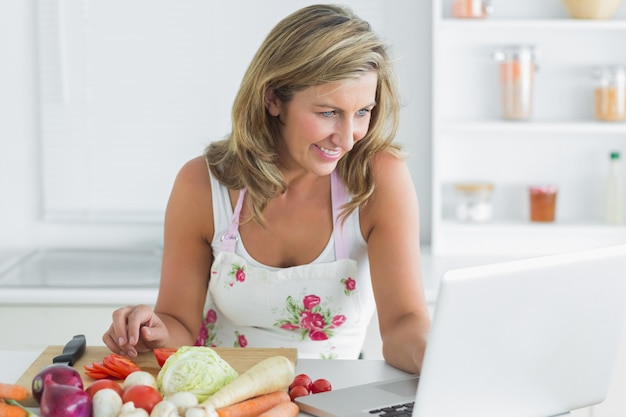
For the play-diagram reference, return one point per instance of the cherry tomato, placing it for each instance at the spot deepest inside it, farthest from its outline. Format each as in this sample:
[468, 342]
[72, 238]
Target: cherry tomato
[161, 354]
[298, 391]
[320, 385]
[102, 384]
[143, 396]
[302, 380]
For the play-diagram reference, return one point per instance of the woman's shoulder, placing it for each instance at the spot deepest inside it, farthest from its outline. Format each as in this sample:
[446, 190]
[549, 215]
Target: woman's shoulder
[389, 167]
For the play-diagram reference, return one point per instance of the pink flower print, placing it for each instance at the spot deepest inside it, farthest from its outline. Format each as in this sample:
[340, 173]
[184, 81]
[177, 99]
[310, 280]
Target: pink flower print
[203, 335]
[206, 335]
[312, 321]
[349, 285]
[310, 318]
[338, 320]
[318, 335]
[310, 301]
[211, 316]
[240, 340]
[238, 274]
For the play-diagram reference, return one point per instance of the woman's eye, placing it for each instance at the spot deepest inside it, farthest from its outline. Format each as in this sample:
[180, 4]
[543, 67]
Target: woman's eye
[363, 112]
[330, 113]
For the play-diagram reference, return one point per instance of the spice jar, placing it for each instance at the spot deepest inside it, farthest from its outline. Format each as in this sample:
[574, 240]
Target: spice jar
[517, 71]
[473, 201]
[471, 9]
[610, 93]
[542, 203]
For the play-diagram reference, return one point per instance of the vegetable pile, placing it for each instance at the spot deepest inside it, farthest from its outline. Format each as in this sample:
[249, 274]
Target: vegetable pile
[193, 382]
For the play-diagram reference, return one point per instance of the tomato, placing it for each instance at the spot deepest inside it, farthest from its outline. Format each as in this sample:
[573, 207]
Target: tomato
[102, 384]
[320, 385]
[161, 354]
[302, 380]
[298, 391]
[143, 396]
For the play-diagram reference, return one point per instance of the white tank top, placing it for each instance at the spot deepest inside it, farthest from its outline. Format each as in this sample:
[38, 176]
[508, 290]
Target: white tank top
[322, 308]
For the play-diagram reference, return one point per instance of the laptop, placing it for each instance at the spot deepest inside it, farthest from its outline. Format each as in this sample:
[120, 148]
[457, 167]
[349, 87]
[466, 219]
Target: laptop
[535, 337]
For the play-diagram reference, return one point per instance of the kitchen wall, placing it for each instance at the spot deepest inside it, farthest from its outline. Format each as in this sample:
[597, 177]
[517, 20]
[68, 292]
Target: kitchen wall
[407, 26]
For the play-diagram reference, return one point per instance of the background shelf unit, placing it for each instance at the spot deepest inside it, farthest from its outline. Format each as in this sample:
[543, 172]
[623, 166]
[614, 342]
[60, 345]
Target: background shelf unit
[561, 144]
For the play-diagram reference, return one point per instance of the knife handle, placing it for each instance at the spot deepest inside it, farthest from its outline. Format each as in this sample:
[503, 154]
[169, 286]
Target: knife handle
[72, 351]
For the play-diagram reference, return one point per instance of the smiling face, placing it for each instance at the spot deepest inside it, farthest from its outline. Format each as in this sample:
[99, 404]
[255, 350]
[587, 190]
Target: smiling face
[320, 124]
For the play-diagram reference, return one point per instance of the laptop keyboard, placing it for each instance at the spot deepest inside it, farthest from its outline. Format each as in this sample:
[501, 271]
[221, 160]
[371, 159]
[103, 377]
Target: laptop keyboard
[400, 410]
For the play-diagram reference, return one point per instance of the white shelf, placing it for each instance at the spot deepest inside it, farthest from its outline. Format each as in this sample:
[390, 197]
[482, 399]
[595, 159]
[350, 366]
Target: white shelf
[451, 24]
[531, 127]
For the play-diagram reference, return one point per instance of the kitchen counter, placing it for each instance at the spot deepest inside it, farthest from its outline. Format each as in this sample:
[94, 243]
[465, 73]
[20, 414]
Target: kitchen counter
[79, 276]
[341, 373]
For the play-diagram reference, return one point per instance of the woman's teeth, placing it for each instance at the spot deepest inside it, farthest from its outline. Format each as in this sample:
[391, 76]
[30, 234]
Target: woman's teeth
[329, 151]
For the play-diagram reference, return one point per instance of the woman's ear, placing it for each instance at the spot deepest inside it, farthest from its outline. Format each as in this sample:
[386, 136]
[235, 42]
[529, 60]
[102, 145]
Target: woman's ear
[272, 102]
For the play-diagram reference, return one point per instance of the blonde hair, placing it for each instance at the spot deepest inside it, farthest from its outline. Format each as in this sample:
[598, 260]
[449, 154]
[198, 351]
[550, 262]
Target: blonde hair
[315, 45]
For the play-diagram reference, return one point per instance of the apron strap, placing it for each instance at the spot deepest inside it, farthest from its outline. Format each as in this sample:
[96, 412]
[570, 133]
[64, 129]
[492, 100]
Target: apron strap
[338, 197]
[229, 239]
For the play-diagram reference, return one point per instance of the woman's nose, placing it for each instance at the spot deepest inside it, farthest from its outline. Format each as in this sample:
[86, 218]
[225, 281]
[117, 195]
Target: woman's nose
[344, 136]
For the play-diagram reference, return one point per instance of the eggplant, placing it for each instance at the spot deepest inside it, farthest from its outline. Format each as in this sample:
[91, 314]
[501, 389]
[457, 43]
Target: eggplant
[61, 374]
[60, 400]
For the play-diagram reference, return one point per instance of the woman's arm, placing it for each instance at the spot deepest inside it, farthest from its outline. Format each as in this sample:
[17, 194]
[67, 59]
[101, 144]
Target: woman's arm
[185, 269]
[390, 223]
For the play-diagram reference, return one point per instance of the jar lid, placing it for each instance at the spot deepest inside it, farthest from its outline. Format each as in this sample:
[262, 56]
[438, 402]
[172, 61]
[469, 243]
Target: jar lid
[610, 73]
[543, 189]
[522, 52]
[473, 186]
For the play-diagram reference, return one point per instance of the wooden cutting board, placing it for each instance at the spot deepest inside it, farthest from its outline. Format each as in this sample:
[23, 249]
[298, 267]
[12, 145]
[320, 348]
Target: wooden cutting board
[240, 359]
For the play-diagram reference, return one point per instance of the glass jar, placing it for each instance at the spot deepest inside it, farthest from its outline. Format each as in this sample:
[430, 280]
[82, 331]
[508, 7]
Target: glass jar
[542, 200]
[610, 93]
[517, 68]
[473, 201]
[471, 9]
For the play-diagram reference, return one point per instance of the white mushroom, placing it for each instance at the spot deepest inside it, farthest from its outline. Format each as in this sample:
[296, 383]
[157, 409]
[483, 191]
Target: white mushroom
[139, 378]
[183, 401]
[106, 403]
[165, 408]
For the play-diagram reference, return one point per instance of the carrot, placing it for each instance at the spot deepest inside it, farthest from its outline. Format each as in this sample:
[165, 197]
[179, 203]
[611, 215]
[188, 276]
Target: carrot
[271, 374]
[284, 409]
[254, 406]
[13, 392]
[8, 410]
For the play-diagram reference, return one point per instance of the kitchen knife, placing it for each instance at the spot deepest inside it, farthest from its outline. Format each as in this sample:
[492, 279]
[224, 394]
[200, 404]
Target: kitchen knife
[72, 351]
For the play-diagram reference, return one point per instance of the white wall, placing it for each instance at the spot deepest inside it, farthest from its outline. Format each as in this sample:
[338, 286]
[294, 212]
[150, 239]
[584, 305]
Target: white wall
[408, 28]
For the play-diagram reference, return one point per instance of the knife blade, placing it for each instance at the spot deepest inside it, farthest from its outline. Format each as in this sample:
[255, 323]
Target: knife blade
[72, 351]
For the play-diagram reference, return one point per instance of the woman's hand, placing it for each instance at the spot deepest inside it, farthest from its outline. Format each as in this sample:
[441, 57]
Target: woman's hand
[135, 329]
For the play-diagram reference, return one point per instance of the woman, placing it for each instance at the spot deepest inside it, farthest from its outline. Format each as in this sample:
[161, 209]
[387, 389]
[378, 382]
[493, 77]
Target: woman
[306, 221]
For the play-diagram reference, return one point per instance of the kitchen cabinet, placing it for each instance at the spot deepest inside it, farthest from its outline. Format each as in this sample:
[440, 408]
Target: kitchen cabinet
[561, 143]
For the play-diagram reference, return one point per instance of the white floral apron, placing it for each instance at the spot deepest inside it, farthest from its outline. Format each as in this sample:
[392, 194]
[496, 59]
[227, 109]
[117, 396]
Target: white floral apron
[316, 308]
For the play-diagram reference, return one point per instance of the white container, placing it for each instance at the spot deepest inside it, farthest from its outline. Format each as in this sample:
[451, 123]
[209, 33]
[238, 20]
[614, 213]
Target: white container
[610, 93]
[517, 67]
[474, 201]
